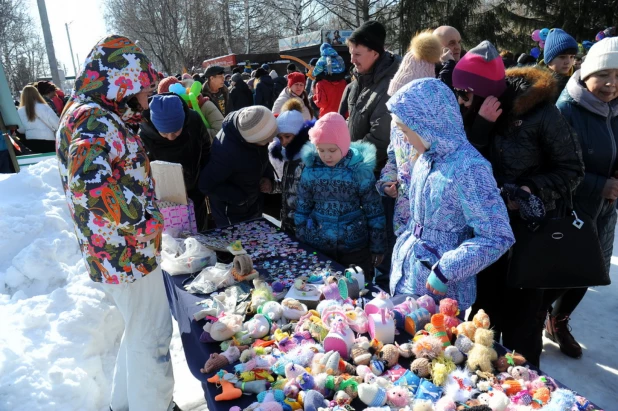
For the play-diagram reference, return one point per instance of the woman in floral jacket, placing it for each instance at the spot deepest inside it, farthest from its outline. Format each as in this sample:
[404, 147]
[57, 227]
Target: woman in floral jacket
[110, 193]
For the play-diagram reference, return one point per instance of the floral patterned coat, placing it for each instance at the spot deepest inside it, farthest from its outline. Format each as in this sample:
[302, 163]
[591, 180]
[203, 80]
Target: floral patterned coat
[104, 168]
[458, 221]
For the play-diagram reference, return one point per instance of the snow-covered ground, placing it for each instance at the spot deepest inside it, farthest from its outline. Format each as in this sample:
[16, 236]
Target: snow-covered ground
[59, 332]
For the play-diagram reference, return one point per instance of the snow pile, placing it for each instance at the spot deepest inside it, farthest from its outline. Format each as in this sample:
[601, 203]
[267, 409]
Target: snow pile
[60, 333]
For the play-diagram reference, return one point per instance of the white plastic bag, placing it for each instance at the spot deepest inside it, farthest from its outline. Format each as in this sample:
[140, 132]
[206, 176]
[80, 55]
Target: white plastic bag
[212, 279]
[185, 257]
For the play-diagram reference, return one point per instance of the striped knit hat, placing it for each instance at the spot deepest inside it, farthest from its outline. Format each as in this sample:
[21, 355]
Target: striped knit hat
[256, 124]
[481, 71]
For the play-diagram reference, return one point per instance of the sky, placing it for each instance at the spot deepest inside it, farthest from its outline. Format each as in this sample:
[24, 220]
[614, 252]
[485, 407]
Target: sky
[86, 27]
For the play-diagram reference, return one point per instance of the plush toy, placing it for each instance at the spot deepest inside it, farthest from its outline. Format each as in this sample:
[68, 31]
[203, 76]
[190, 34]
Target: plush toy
[541, 397]
[482, 353]
[512, 387]
[453, 353]
[269, 402]
[441, 367]
[359, 352]
[261, 293]
[340, 337]
[481, 319]
[230, 392]
[328, 363]
[445, 404]
[423, 405]
[224, 328]
[464, 344]
[438, 329]
[218, 361]
[372, 395]
[460, 386]
[561, 400]
[357, 320]
[428, 391]
[466, 329]
[503, 363]
[381, 301]
[426, 302]
[421, 367]
[496, 400]
[397, 397]
[519, 373]
[428, 347]
[272, 310]
[293, 309]
[400, 311]
[390, 354]
[259, 326]
[450, 309]
[416, 320]
[405, 350]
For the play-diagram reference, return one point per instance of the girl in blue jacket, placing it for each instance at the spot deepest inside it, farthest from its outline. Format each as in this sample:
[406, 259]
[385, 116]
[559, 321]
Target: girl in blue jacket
[458, 222]
[338, 209]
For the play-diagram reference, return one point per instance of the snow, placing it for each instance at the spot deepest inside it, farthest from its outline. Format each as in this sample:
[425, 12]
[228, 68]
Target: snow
[61, 332]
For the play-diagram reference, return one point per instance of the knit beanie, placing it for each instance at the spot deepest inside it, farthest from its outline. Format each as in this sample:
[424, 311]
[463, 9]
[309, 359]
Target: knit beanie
[167, 113]
[602, 56]
[558, 42]
[481, 71]
[164, 85]
[419, 61]
[256, 124]
[265, 66]
[331, 129]
[290, 122]
[296, 77]
[370, 34]
[237, 78]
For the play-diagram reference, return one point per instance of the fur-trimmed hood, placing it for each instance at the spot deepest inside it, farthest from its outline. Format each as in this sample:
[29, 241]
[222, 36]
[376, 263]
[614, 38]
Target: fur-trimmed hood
[360, 156]
[292, 151]
[532, 86]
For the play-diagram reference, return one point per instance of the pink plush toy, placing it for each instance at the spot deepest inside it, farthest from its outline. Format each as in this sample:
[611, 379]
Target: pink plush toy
[397, 397]
[450, 309]
[426, 302]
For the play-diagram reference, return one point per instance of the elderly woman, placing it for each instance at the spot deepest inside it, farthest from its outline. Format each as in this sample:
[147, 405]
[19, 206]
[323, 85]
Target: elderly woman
[590, 105]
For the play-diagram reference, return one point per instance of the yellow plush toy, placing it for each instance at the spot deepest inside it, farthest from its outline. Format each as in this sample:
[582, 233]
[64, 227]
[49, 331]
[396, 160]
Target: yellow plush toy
[482, 353]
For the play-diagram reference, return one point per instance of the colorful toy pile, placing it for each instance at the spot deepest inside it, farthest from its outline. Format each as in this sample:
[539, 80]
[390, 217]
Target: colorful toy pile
[342, 355]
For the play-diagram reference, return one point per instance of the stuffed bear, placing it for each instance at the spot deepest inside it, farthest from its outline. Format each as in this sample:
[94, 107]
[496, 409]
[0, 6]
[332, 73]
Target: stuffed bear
[482, 353]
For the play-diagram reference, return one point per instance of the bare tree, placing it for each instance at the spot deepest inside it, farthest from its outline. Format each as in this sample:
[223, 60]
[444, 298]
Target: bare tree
[21, 49]
[353, 13]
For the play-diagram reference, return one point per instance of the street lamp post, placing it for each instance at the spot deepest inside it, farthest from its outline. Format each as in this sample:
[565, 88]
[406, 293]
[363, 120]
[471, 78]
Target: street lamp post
[71, 48]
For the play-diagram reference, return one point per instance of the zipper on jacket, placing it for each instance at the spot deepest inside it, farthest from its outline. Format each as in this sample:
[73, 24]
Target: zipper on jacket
[612, 138]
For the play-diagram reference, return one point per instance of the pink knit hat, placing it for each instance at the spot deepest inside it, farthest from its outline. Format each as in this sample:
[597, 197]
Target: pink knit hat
[331, 129]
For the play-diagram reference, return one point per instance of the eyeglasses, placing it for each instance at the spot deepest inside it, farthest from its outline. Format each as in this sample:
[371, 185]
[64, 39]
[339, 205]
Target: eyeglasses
[463, 94]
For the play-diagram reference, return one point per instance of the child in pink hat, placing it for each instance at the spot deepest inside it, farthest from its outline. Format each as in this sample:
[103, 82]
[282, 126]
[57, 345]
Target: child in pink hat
[338, 209]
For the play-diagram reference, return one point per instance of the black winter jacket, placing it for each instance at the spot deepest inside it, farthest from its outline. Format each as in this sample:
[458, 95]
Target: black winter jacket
[264, 92]
[289, 161]
[596, 125]
[231, 179]
[369, 119]
[531, 144]
[240, 96]
[191, 148]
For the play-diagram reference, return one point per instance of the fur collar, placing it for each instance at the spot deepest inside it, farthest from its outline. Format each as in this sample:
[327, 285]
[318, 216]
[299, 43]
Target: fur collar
[292, 151]
[533, 86]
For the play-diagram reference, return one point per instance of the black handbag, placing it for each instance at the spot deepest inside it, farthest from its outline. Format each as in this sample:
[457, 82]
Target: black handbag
[562, 251]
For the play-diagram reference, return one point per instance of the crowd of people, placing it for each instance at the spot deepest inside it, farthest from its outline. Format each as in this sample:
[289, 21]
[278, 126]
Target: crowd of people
[417, 171]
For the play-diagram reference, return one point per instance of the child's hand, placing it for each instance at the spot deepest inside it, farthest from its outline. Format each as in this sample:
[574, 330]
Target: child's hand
[376, 259]
[433, 290]
[390, 189]
[266, 186]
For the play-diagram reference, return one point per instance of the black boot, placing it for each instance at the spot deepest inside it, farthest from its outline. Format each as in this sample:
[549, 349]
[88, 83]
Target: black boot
[558, 330]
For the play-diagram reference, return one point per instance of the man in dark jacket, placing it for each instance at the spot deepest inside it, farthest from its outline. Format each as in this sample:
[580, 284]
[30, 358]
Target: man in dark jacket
[369, 119]
[264, 89]
[451, 41]
[239, 171]
[365, 100]
[214, 88]
[172, 132]
[240, 95]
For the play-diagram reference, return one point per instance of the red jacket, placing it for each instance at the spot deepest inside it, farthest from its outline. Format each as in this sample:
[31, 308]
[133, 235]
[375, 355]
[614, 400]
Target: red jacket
[327, 95]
